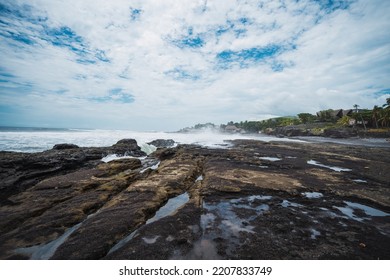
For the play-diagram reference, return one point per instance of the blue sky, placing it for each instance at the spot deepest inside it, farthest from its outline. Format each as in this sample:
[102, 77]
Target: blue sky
[164, 65]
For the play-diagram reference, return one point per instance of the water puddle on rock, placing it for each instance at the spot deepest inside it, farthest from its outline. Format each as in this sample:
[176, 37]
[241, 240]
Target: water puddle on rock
[204, 249]
[286, 203]
[46, 251]
[334, 168]
[150, 240]
[270, 158]
[312, 194]
[227, 224]
[360, 181]
[200, 178]
[168, 209]
[349, 210]
[220, 220]
[314, 233]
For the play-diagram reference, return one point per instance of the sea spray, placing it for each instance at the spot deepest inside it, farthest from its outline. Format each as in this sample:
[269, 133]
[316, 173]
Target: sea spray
[38, 141]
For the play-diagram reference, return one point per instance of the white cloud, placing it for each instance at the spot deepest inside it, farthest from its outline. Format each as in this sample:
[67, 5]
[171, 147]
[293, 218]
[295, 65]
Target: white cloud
[166, 58]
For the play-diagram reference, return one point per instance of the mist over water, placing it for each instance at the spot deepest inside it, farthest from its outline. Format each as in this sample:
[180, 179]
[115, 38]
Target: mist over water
[38, 140]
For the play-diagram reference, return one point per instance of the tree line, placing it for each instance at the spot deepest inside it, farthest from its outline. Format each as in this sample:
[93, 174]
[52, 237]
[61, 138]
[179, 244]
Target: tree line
[377, 117]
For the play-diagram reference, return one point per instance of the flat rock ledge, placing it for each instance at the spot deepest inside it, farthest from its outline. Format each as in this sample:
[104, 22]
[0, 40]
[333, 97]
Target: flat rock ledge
[254, 200]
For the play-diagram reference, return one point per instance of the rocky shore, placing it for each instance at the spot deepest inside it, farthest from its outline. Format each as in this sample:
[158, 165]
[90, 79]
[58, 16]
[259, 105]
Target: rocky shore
[321, 129]
[253, 200]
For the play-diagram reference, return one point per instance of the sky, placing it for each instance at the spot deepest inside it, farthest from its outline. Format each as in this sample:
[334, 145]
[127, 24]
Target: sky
[164, 65]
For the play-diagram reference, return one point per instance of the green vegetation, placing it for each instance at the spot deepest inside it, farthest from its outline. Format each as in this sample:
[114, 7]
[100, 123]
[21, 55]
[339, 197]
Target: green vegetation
[378, 117]
[256, 126]
[306, 118]
[344, 121]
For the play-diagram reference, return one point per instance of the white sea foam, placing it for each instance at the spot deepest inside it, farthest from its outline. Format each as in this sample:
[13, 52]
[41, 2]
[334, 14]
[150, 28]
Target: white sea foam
[112, 157]
[153, 167]
[37, 141]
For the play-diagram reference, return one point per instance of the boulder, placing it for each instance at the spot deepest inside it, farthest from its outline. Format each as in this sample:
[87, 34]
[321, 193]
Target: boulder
[340, 133]
[20, 171]
[127, 142]
[128, 147]
[162, 143]
[65, 146]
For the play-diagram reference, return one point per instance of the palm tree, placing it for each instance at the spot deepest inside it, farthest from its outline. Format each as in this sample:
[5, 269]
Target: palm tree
[385, 116]
[385, 119]
[357, 111]
[376, 115]
[387, 105]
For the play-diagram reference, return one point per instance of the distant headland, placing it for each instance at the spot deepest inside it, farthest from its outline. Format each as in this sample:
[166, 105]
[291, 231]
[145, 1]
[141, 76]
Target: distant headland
[336, 123]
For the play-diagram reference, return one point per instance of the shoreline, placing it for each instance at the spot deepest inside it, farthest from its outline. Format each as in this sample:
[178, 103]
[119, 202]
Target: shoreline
[288, 200]
[43, 142]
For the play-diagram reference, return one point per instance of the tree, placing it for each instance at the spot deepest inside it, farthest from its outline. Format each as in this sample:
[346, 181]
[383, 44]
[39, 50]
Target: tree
[385, 114]
[326, 116]
[376, 115]
[306, 117]
[385, 118]
[387, 105]
[344, 121]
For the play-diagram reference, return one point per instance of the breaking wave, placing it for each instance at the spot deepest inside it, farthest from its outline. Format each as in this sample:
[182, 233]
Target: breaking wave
[38, 140]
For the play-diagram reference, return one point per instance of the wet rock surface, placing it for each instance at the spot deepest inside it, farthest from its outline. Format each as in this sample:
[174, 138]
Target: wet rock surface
[255, 200]
[162, 143]
[20, 171]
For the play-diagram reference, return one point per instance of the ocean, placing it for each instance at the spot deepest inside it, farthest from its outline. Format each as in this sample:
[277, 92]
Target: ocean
[19, 139]
[27, 139]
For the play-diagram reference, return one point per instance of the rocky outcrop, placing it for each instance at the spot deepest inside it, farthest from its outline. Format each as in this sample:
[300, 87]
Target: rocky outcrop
[316, 130]
[255, 200]
[65, 146]
[340, 132]
[162, 143]
[20, 171]
[290, 131]
[125, 147]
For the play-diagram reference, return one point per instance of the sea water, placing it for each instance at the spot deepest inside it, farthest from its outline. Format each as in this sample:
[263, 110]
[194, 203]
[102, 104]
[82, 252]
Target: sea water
[40, 139]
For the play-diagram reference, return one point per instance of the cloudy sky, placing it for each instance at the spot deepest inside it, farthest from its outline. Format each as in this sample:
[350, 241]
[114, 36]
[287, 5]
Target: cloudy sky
[164, 65]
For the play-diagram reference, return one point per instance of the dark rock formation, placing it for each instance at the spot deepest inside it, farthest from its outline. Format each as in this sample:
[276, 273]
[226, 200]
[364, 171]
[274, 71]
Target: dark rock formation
[340, 132]
[162, 143]
[65, 146]
[290, 131]
[255, 200]
[20, 171]
[128, 147]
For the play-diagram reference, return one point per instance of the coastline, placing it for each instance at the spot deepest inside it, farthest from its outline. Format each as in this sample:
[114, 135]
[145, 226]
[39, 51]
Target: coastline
[288, 200]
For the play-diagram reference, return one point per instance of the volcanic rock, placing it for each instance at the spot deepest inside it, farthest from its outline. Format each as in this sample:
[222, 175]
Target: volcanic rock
[241, 204]
[162, 143]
